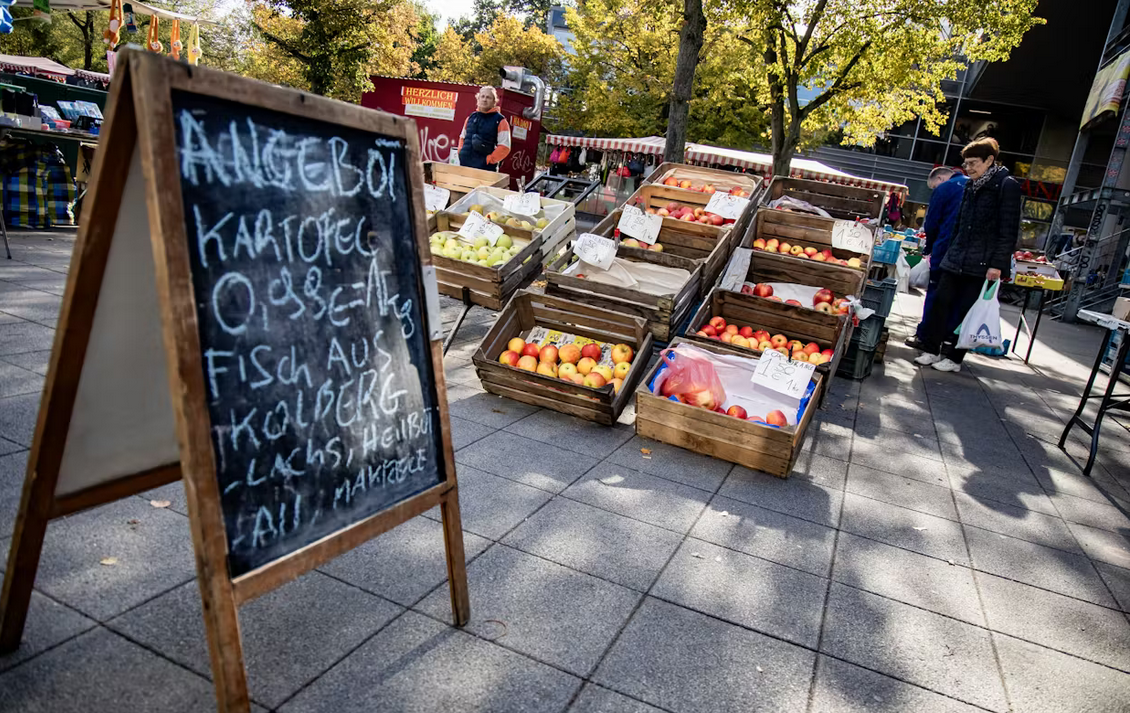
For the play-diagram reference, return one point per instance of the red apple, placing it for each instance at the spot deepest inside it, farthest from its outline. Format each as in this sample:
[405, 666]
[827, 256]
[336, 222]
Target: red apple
[718, 323]
[746, 332]
[811, 251]
[726, 337]
[763, 290]
[716, 219]
[671, 181]
[517, 344]
[547, 369]
[621, 353]
[672, 207]
[509, 358]
[591, 351]
[746, 290]
[585, 365]
[684, 183]
[531, 350]
[823, 295]
[703, 399]
[732, 329]
[811, 348]
[776, 418]
[736, 411]
[569, 354]
[794, 303]
[528, 363]
[708, 188]
[828, 353]
[824, 307]
[594, 380]
[548, 354]
[778, 340]
[759, 244]
[709, 330]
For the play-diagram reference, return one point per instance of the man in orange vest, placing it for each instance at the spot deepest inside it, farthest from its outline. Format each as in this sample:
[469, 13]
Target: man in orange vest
[485, 139]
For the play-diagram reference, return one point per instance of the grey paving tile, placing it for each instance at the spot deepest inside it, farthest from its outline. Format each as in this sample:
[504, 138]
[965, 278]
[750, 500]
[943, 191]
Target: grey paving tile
[22, 336]
[1045, 567]
[491, 506]
[152, 549]
[1077, 485]
[906, 465]
[1118, 579]
[290, 635]
[1015, 522]
[882, 569]
[834, 423]
[653, 500]
[683, 661]
[905, 492]
[1053, 620]
[418, 665]
[1103, 545]
[15, 380]
[404, 563]
[49, 623]
[33, 305]
[594, 699]
[13, 470]
[827, 471]
[745, 590]
[914, 645]
[842, 687]
[829, 445]
[555, 614]
[101, 671]
[600, 543]
[998, 459]
[899, 443]
[1044, 681]
[572, 433]
[671, 462]
[908, 529]
[767, 534]
[785, 495]
[986, 486]
[520, 459]
[17, 418]
[7, 447]
[464, 432]
[871, 419]
[1103, 516]
[487, 409]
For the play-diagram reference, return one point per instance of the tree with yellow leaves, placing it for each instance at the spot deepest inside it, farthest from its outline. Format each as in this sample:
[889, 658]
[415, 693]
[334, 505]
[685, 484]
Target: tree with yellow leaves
[506, 42]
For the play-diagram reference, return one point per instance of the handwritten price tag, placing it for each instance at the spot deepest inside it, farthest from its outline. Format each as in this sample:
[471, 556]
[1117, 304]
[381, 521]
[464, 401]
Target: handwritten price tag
[523, 204]
[642, 226]
[727, 206]
[778, 373]
[595, 250]
[476, 226]
[850, 235]
[435, 198]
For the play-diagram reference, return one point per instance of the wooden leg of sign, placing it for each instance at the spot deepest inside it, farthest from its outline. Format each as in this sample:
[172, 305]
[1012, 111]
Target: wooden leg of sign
[23, 559]
[456, 559]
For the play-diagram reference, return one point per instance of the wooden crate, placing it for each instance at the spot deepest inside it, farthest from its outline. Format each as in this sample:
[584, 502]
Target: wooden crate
[529, 309]
[710, 252]
[845, 202]
[772, 450]
[661, 313]
[773, 317]
[653, 195]
[806, 231]
[490, 287]
[721, 180]
[553, 236]
[774, 267]
[461, 180]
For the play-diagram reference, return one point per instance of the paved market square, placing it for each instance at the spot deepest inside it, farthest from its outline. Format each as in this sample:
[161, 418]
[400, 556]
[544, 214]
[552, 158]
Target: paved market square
[933, 551]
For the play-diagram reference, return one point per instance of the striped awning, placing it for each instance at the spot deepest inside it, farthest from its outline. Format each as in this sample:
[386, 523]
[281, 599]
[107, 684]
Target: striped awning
[706, 155]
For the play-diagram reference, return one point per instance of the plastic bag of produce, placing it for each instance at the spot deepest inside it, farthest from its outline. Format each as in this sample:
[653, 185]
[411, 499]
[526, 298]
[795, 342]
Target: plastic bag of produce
[982, 324]
[902, 272]
[690, 379]
[920, 274]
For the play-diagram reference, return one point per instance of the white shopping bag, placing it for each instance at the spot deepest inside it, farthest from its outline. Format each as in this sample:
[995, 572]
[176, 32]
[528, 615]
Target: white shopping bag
[920, 274]
[982, 324]
[902, 272]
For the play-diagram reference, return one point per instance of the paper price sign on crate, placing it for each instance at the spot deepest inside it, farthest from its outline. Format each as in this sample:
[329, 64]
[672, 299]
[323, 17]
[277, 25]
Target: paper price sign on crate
[476, 226]
[642, 226]
[523, 204]
[595, 250]
[435, 198]
[727, 206]
[850, 235]
[781, 375]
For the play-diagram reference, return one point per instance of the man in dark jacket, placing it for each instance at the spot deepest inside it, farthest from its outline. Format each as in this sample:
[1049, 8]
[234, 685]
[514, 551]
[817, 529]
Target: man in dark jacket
[485, 139]
[948, 186]
[980, 249]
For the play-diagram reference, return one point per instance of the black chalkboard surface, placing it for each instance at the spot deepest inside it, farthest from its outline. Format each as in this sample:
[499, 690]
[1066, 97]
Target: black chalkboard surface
[309, 303]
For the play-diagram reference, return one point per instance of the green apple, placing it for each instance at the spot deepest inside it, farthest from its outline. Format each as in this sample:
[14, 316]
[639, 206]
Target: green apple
[468, 255]
[483, 252]
[504, 241]
[480, 243]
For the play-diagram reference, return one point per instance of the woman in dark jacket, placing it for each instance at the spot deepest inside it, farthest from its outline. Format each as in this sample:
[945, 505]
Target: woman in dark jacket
[984, 236]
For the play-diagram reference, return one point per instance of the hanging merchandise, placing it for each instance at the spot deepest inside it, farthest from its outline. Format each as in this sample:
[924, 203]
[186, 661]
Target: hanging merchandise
[194, 44]
[130, 19]
[6, 17]
[41, 10]
[154, 41]
[114, 31]
[175, 44]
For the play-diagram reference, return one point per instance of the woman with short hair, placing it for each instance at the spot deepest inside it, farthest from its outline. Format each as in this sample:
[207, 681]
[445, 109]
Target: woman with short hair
[988, 225]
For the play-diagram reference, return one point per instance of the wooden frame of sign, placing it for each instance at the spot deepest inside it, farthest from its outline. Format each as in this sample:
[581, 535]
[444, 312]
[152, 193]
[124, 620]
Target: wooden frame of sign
[131, 400]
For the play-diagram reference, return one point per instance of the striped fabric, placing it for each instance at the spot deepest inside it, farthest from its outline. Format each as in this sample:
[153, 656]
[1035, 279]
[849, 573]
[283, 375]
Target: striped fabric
[38, 190]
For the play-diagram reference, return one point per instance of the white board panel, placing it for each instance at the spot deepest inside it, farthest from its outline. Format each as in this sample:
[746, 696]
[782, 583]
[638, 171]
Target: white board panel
[123, 417]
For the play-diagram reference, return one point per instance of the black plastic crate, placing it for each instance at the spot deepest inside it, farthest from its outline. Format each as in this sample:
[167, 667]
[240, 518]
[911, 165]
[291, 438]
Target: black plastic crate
[856, 363]
[869, 331]
[879, 295]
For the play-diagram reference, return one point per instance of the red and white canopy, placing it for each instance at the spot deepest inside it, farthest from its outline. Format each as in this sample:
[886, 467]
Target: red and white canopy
[706, 155]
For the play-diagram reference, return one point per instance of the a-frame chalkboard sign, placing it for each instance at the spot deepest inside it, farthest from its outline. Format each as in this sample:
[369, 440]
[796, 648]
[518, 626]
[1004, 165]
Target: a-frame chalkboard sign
[251, 308]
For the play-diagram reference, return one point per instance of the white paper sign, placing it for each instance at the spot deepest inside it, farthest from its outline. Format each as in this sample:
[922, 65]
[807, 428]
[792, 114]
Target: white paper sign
[642, 226]
[778, 373]
[476, 226]
[523, 204]
[435, 198]
[850, 235]
[595, 250]
[726, 205]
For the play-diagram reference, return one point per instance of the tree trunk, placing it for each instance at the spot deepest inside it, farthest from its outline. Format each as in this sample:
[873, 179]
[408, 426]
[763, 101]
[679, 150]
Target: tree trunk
[690, 44]
[88, 42]
[784, 148]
